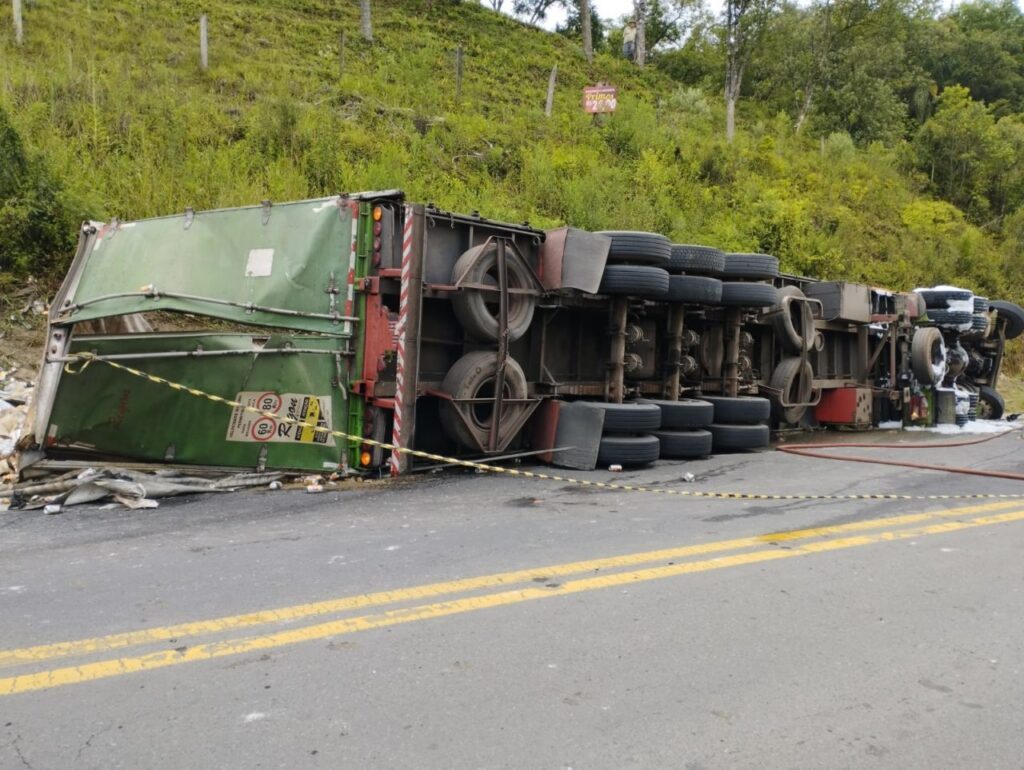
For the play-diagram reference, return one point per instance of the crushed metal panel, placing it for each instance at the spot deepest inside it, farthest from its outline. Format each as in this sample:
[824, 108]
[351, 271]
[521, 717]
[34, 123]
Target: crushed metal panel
[105, 411]
[284, 266]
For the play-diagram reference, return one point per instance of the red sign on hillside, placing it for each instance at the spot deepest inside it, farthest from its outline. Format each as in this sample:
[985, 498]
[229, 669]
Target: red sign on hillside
[600, 99]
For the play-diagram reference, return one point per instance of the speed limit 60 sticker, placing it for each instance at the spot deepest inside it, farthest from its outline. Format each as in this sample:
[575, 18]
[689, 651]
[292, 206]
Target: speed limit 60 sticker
[313, 411]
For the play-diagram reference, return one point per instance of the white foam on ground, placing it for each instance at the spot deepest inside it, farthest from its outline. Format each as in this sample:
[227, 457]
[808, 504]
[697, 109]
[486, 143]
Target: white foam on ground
[974, 426]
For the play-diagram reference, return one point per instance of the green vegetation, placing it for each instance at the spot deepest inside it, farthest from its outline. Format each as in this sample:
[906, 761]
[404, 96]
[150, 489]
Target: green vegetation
[106, 113]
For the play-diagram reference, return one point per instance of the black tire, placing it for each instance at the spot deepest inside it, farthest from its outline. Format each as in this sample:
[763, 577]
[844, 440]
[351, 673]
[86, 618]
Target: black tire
[469, 378]
[741, 410]
[694, 290]
[696, 260]
[980, 304]
[634, 280]
[928, 355]
[477, 310]
[682, 444]
[938, 299]
[794, 379]
[979, 323]
[738, 294]
[990, 404]
[794, 321]
[726, 438]
[630, 417]
[628, 451]
[951, 319]
[1014, 315]
[757, 266]
[685, 413]
[633, 246]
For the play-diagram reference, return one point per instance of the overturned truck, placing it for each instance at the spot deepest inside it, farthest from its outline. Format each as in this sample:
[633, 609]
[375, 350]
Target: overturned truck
[403, 324]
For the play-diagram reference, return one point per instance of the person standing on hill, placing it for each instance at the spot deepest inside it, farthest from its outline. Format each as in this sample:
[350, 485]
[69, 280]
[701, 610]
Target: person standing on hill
[629, 40]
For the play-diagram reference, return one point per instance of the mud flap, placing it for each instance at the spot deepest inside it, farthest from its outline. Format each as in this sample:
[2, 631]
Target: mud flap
[577, 426]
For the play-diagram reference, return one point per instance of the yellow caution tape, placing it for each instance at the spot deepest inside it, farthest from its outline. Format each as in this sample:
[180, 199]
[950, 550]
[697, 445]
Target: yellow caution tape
[87, 358]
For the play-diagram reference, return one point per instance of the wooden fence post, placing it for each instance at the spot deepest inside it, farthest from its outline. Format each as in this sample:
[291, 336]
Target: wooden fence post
[458, 73]
[204, 47]
[551, 91]
[19, 28]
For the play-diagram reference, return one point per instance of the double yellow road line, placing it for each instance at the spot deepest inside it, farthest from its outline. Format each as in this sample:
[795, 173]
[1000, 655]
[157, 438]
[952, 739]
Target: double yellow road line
[406, 604]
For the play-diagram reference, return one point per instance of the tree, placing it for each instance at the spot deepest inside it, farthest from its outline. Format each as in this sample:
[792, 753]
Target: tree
[745, 23]
[534, 11]
[585, 19]
[365, 25]
[640, 10]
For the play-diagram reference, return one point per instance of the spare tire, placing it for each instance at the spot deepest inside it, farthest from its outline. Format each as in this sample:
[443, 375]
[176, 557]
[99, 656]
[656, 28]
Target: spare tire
[757, 266]
[637, 417]
[928, 355]
[680, 444]
[951, 319]
[740, 410]
[472, 376]
[1013, 314]
[696, 260]
[477, 310]
[738, 294]
[694, 289]
[635, 281]
[980, 304]
[628, 451]
[793, 321]
[684, 413]
[990, 404]
[634, 246]
[725, 438]
[794, 379]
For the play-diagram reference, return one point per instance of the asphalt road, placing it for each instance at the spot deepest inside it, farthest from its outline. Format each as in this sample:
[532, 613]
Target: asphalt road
[461, 620]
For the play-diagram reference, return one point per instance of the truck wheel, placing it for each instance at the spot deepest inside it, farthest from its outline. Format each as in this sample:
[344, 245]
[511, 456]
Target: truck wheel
[694, 289]
[938, 299]
[628, 451]
[634, 246]
[630, 417]
[928, 355]
[472, 376]
[684, 444]
[794, 379]
[738, 294]
[741, 410]
[951, 319]
[696, 260]
[634, 280]
[683, 414]
[793, 322]
[753, 266]
[477, 310]
[990, 404]
[1014, 315]
[980, 304]
[725, 438]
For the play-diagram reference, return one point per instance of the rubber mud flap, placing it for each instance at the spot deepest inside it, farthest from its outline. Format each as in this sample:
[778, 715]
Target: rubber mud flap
[757, 266]
[694, 290]
[741, 410]
[580, 425]
[684, 413]
[639, 247]
[696, 260]
[628, 451]
[630, 417]
[738, 294]
[727, 438]
[684, 444]
[635, 281]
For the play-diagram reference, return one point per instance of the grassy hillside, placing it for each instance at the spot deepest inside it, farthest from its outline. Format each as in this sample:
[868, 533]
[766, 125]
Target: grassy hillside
[108, 99]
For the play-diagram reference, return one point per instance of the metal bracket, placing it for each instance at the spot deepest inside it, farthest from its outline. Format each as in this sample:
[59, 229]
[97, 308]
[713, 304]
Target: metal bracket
[266, 210]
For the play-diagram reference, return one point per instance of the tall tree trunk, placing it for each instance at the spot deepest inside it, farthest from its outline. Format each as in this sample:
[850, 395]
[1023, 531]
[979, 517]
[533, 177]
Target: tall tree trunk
[365, 25]
[733, 81]
[805, 108]
[588, 40]
[640, 8]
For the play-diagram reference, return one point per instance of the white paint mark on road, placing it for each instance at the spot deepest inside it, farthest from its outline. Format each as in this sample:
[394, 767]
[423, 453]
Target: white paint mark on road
[255, 716]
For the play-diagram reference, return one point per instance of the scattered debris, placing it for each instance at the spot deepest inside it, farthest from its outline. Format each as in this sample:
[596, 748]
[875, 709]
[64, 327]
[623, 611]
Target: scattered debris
[15, 394]
[615, 468]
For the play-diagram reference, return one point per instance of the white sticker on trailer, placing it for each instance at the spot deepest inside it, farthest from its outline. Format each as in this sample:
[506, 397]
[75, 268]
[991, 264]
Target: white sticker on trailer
[260, 263]
[313, 411]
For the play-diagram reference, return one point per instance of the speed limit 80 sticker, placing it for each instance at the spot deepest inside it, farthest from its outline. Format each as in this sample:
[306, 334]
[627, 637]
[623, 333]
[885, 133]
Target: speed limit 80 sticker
[313, 411]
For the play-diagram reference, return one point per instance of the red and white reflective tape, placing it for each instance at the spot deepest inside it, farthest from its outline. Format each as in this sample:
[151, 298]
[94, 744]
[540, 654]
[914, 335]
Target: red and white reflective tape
[350, 289]
[403, 314]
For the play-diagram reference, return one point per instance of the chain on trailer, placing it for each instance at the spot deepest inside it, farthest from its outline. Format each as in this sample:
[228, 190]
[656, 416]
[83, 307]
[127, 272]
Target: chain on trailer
[87, 358]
